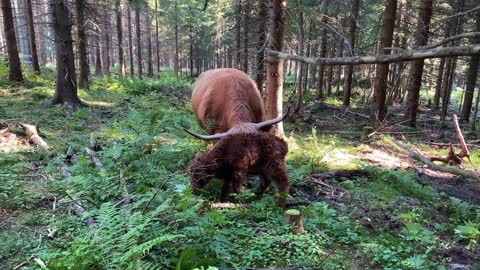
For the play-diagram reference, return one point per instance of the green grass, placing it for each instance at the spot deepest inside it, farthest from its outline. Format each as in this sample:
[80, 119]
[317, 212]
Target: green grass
[139, 125]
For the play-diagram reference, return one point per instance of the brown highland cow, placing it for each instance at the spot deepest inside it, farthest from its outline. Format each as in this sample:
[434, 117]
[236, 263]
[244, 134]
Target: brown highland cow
[235, 155]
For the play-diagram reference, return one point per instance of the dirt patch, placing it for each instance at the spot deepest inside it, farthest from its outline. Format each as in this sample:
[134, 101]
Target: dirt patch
[462, 188]
[460, 258]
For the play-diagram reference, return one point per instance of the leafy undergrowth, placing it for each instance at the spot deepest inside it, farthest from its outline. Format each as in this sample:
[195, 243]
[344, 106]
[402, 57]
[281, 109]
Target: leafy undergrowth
[146, 216]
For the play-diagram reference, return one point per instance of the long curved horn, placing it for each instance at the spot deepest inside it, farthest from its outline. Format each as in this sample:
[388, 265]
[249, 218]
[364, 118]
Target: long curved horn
[273, 121]
[206, 137]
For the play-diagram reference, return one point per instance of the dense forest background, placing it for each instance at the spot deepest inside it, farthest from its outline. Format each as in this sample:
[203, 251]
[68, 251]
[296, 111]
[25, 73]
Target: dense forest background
[94, 97]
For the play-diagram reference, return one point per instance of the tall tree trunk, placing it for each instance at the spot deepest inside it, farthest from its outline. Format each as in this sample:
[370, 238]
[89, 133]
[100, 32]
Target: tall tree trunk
[82, 44]
[474, 120]
[275, 65]
[438, 85]
[66, 80]
[471, 79]
[15, 71]
[121, 59]
[261, 39]
[298, 82]
[347, 89]
[33, 42]
[139, 41]
[149, 44]
[245, 35]
[98, 56]
[190, 37]
[380, 87]
[238, 19]
[157, 38]
[130, 41]
[106, 54]
[323, 52]
[416, 70]
[176, 40]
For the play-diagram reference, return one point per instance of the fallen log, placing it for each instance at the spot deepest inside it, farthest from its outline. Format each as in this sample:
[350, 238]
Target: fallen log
[447, 169]
[32, 134]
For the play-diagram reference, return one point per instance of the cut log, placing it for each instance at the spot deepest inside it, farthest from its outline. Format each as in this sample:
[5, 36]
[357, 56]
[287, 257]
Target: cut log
[32, 134]
[447, 169]
[293, 218]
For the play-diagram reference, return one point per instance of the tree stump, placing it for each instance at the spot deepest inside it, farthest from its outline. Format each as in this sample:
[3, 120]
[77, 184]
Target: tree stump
[294, 219]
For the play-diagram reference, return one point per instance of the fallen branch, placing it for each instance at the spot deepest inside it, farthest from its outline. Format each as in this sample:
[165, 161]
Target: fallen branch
[447, 169]
[453, 158]
[346, 110]
[464, 35]
[94, 158]
[69, 155]
[407, 55]
[32, 134]
[340, 175]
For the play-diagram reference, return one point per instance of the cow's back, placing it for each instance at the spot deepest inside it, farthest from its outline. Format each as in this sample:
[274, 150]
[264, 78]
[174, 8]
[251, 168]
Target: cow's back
[225, 97]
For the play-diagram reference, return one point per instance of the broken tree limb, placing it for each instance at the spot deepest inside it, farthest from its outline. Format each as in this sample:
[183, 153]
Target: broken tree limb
[453, 158]
[32, 134]
[94, 158]
[447, 169]
[464, 35]
[464, 152]
[406, 55]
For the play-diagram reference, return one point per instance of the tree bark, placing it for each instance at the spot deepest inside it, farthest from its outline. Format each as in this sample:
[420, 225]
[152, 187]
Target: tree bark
[139, 42]
[98, 56]
[176, 40]
[149, 43]
[298, 82]
[261, 39]
[121, 59]
[246, 17]
[347, 89]
[82, 44]
[438, 85]
[33, 42]
[380, 87]
[106, 52]
[471, 79]
[238, 34]
[416, 70]
[15, 69]
[157, 38]
[66, 79]
[275, 65]
[323, 52]
[130, 42]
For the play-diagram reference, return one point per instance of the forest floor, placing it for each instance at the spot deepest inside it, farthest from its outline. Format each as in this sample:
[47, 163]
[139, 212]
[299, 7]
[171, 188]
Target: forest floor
[385, 212]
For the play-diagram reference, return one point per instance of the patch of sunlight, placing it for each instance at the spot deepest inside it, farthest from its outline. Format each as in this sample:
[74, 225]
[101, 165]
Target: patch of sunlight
[100, 103]
[340, 159]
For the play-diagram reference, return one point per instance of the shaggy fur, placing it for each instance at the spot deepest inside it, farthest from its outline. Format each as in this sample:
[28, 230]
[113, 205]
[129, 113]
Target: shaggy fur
[235, 155]
[224, 98]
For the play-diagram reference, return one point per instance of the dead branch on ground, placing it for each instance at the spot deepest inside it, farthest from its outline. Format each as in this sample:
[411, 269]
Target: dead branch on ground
[447, 169]
[453, 158]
